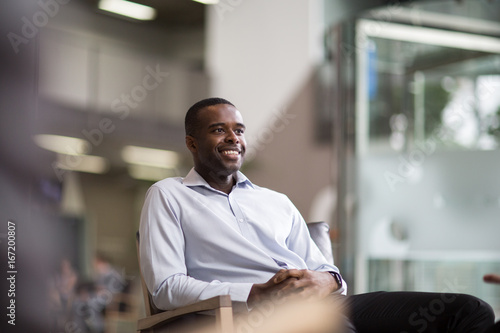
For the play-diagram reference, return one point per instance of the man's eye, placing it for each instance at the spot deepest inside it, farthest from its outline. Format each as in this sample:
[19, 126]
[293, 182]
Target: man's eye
[240, 131]
[218, 130]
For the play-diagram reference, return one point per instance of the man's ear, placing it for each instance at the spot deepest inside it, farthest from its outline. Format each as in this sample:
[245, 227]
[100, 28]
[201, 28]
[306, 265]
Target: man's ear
[191, 143]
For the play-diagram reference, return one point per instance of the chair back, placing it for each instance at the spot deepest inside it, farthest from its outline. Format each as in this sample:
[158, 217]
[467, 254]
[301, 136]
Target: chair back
[320, 234]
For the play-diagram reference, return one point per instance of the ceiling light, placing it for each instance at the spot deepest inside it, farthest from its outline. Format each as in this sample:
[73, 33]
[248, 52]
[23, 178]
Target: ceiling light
[129, 9]
[150, 173]
[431, 36]
[62, 144]
[150, 157]
[83, 163]
[208, 2]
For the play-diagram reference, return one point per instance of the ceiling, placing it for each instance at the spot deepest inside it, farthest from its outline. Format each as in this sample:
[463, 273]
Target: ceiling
[174, 14]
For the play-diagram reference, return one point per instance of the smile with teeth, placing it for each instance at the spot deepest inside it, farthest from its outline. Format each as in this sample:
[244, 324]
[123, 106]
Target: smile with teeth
[230, 152]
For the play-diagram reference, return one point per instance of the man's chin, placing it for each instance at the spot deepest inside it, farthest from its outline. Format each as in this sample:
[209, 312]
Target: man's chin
[232, 168]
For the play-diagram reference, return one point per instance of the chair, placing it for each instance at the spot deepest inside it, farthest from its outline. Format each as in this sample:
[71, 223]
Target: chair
[156, 318]
[222, 306]
[320, 234]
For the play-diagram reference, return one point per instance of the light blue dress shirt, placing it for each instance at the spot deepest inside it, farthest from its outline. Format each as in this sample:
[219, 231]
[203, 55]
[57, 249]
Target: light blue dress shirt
[198, 242]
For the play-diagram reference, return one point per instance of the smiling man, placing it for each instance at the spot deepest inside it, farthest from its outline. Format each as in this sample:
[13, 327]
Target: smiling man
[215, 233]
[215, 137]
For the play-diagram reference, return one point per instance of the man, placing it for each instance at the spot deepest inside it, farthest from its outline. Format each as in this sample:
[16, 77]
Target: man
[214, 233]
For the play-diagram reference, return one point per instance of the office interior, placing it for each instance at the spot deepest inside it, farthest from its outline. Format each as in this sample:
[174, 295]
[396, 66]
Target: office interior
[381, 118]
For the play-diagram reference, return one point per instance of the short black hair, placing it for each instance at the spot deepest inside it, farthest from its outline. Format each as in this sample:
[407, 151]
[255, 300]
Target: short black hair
[190, 122]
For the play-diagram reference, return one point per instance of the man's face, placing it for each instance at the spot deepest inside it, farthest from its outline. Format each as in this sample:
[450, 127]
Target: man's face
[218, 146]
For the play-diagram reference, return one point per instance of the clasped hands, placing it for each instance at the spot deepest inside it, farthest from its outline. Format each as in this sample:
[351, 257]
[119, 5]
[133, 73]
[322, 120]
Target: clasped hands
[293, 283]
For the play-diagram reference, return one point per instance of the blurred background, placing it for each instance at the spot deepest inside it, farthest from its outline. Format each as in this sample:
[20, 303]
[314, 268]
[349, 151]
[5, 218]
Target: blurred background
[380, 117]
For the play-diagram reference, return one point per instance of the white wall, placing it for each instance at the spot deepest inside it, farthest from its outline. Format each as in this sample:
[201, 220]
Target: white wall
[260, 52]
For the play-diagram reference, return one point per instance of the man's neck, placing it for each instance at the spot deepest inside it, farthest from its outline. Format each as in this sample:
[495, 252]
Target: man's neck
[223, 183]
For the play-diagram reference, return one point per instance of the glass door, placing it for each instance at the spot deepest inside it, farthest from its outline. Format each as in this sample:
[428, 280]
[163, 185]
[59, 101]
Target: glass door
[427, 155]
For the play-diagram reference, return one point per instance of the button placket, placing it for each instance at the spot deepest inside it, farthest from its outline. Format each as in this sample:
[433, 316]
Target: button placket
[239, 216]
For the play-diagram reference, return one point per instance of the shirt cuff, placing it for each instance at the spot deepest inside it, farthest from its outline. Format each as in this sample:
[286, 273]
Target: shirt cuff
[343, 286]
[239, 291]
[239, 295]
[342, 290]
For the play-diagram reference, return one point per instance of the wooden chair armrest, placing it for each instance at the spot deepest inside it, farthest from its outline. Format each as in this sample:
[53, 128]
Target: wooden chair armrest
[158, 319]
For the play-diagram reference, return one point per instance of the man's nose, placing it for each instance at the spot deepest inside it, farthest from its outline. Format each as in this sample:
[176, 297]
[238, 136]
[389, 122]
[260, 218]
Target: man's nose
[232, 137]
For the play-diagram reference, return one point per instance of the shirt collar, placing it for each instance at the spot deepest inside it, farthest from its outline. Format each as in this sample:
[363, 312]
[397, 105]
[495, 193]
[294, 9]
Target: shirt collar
[193, 178]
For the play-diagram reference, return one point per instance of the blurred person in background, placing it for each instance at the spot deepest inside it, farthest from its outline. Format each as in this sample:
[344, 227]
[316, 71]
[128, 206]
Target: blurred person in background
[107, 278]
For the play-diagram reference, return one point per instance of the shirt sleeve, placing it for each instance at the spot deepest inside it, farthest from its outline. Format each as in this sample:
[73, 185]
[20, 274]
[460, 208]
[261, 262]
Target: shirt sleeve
[163, 262]
[300, 242]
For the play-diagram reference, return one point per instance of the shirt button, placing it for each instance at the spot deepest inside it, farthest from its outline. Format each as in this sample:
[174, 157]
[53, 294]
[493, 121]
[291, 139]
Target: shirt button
[240, 220]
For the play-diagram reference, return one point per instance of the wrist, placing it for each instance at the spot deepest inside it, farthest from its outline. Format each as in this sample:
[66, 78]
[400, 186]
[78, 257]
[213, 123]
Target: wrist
[338, 280]
[254, 295]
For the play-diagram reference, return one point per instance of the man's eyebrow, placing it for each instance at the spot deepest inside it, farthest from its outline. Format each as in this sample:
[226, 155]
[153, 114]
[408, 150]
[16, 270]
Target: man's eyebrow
[216, 125]
[222, 124]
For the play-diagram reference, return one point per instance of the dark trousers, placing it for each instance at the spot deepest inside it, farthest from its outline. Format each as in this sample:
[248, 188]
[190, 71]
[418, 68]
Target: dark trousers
[419, 312]
[495, 328]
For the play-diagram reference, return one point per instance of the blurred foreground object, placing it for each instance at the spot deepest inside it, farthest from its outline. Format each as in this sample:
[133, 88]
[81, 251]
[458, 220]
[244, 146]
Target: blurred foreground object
[492, 278]
[293, 316]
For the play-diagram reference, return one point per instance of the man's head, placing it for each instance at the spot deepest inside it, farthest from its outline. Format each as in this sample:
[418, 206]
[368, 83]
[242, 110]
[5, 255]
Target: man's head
[191, 122]
[215, 137]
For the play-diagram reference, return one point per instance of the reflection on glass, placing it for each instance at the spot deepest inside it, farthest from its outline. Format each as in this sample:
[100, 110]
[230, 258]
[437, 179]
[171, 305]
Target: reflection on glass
[418, 92]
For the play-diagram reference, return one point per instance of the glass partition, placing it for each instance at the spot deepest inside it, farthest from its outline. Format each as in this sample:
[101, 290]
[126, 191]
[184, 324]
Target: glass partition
[410, 90]
[427, 152]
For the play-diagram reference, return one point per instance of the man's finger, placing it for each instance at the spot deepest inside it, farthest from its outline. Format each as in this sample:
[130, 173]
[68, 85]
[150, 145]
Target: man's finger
[287, 288]
[280, 276]
[284, 274]
[290, 273]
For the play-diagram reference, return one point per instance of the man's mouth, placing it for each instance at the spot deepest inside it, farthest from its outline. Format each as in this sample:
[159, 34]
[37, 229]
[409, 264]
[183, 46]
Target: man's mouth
[230, 152]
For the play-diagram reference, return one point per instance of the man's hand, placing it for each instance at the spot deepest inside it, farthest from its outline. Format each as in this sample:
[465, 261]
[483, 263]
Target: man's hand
[305, 283]
[294, 282]
[492, 278]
